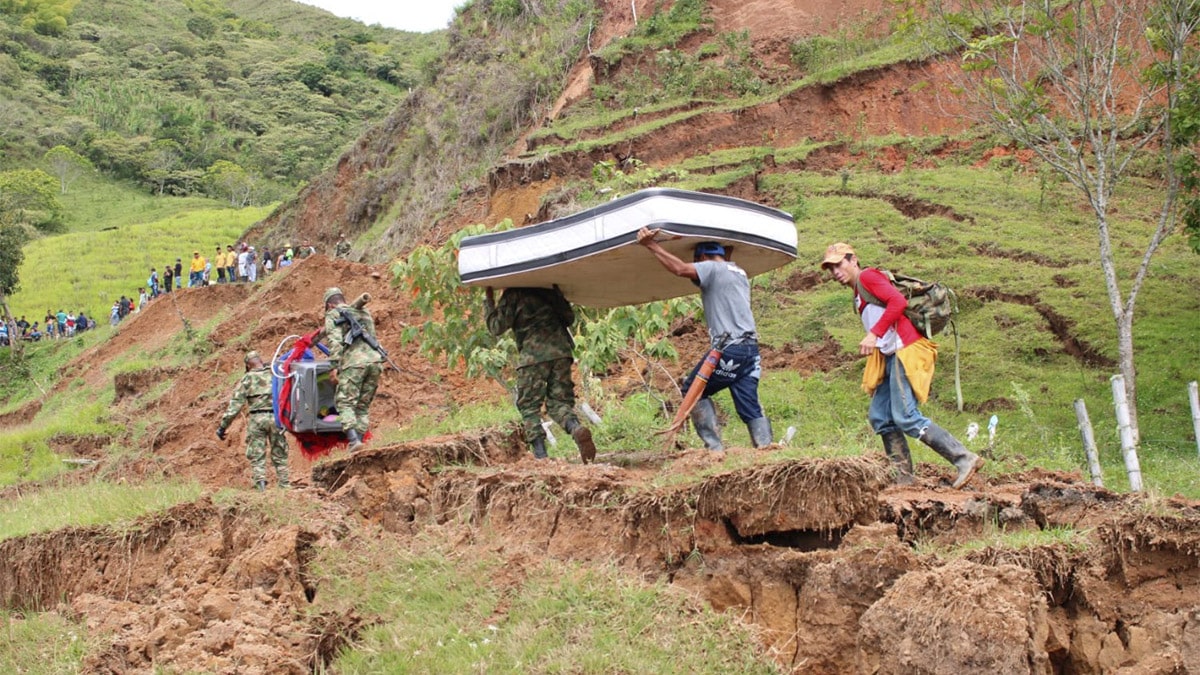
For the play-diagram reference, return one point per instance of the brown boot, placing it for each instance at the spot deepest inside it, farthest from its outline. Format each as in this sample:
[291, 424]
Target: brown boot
[583, 439]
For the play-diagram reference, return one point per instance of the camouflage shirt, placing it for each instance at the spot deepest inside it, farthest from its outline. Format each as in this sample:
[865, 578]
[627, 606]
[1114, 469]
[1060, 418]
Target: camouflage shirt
[539, 319]
[342, 355]
[342, 249]
[253, 390]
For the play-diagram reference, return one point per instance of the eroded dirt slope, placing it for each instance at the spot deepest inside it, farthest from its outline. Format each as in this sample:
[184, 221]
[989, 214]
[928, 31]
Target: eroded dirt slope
[819, 553]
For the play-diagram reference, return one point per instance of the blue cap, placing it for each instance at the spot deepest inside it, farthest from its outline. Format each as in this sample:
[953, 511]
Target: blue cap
[708, 248]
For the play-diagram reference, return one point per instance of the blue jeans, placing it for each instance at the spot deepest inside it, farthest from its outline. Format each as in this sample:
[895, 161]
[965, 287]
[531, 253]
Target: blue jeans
[739, 371]
[894, 406]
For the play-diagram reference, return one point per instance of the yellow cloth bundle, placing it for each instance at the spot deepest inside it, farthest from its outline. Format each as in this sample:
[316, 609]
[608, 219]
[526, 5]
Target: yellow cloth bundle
[918, 360]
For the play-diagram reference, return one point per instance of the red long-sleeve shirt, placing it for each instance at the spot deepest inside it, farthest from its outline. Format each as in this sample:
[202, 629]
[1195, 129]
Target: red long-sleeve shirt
[879, 320]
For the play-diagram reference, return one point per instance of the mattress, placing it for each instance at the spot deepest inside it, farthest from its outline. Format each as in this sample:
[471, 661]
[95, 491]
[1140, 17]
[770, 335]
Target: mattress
[594, 258]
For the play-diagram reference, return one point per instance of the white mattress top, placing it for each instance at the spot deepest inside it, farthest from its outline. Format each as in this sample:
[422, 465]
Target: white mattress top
[594, 257]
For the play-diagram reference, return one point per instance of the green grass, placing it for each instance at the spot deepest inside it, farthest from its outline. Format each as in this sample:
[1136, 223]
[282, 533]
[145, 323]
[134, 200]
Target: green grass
[1008, 351]
[95, 203]
[87, 271]
[25, 381]
[896, 48]
[1016, 540]
[437, 611]
[41, 642]
[97, 503]
[464, 418]
[25, 452]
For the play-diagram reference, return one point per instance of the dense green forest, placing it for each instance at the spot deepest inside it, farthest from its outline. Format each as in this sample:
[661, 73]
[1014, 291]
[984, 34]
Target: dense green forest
[237, 99]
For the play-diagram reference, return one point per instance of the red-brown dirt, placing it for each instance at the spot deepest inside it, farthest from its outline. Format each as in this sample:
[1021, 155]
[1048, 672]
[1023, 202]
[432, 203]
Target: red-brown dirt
[818, 553]
[839, 570]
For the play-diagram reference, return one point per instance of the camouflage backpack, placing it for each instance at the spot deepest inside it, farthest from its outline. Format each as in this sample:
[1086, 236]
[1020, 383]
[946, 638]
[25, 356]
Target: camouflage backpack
[931, 308]
[931, 305]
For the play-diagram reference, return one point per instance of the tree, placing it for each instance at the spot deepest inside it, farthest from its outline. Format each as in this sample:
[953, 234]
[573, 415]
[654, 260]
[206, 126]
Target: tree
[1088, 86]
[30, 196]
[12, 238]
[67, 165]
[163, 158]
[229, 179]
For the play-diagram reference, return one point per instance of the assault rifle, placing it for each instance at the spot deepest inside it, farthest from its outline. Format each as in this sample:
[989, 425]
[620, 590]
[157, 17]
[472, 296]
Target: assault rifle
[354, 331]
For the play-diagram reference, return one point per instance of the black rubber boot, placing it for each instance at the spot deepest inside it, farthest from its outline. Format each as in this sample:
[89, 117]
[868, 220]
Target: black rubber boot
[355, 440]
[539, 448]
[895, 445]
[583, 439]
[704, 418]
[760, 432]
[949, 447]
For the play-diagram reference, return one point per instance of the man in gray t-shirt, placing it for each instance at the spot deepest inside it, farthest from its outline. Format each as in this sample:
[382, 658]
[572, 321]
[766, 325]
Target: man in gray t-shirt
[725, 292]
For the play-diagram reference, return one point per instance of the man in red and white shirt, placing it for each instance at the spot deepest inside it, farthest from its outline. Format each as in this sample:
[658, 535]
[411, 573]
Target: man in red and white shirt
[899, 369]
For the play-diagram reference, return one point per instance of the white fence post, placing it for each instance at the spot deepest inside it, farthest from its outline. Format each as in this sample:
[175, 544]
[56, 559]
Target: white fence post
[1089, 442]
[1194, 399]
[1125, 429]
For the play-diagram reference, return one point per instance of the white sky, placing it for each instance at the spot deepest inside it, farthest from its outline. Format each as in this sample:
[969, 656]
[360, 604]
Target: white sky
[420, 16]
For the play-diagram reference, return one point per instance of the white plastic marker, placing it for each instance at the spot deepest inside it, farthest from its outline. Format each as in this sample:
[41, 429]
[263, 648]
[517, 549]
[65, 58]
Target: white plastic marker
[972, 431]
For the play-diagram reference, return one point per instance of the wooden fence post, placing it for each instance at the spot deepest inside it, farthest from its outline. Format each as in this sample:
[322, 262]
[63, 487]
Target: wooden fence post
[1089, 442]
[1194, 399]
[1125, 429]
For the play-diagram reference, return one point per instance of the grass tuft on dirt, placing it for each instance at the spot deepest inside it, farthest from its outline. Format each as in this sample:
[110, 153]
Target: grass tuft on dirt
[41, 642]
[437, 610]
[97, 503]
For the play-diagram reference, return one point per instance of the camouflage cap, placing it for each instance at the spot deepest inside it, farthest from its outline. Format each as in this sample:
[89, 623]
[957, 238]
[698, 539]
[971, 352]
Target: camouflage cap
[251, 355]
[330, 292]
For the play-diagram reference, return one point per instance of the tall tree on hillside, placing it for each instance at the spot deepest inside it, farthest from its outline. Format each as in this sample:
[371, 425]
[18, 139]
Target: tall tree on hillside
[66, 165]
[29, 196]
[162, 160]
[1088, 86]
[230, 180]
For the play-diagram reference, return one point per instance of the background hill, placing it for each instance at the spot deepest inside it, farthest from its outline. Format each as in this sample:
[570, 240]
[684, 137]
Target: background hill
[444, 545]
[155, 93]
[166, 108]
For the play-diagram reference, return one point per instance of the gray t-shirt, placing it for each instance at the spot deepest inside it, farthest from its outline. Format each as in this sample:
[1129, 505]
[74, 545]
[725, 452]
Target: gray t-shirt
[725, 292]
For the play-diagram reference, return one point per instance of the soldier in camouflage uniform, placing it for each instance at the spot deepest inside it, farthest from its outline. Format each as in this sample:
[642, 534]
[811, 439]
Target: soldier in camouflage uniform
[356, 367]
[539, 319]
[254, 391]
[342, 249]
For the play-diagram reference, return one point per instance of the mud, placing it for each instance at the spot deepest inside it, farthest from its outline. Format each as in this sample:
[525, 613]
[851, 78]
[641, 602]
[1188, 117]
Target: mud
[839, 570]
[197, 588]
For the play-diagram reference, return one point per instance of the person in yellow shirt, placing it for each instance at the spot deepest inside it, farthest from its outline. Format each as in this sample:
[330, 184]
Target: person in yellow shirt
[196, 275]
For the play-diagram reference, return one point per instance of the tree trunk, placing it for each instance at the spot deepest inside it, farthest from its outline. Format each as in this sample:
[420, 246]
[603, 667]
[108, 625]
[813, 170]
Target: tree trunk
[14, 340]
[1125, 352]
[1122, 318]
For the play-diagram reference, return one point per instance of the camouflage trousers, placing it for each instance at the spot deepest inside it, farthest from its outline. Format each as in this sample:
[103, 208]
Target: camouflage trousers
[261, 434]
[547, 382]
[355, 391]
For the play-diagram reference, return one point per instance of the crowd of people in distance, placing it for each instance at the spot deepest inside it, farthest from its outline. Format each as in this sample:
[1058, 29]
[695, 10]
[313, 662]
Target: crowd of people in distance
[236, 263]
[60, 324]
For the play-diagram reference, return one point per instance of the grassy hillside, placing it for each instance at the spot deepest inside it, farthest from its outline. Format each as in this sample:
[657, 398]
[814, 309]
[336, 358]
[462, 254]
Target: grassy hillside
[87, 270]
[158, 92]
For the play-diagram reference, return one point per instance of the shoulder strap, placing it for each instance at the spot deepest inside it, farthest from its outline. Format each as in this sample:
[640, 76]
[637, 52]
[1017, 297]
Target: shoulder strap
[868, 296]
